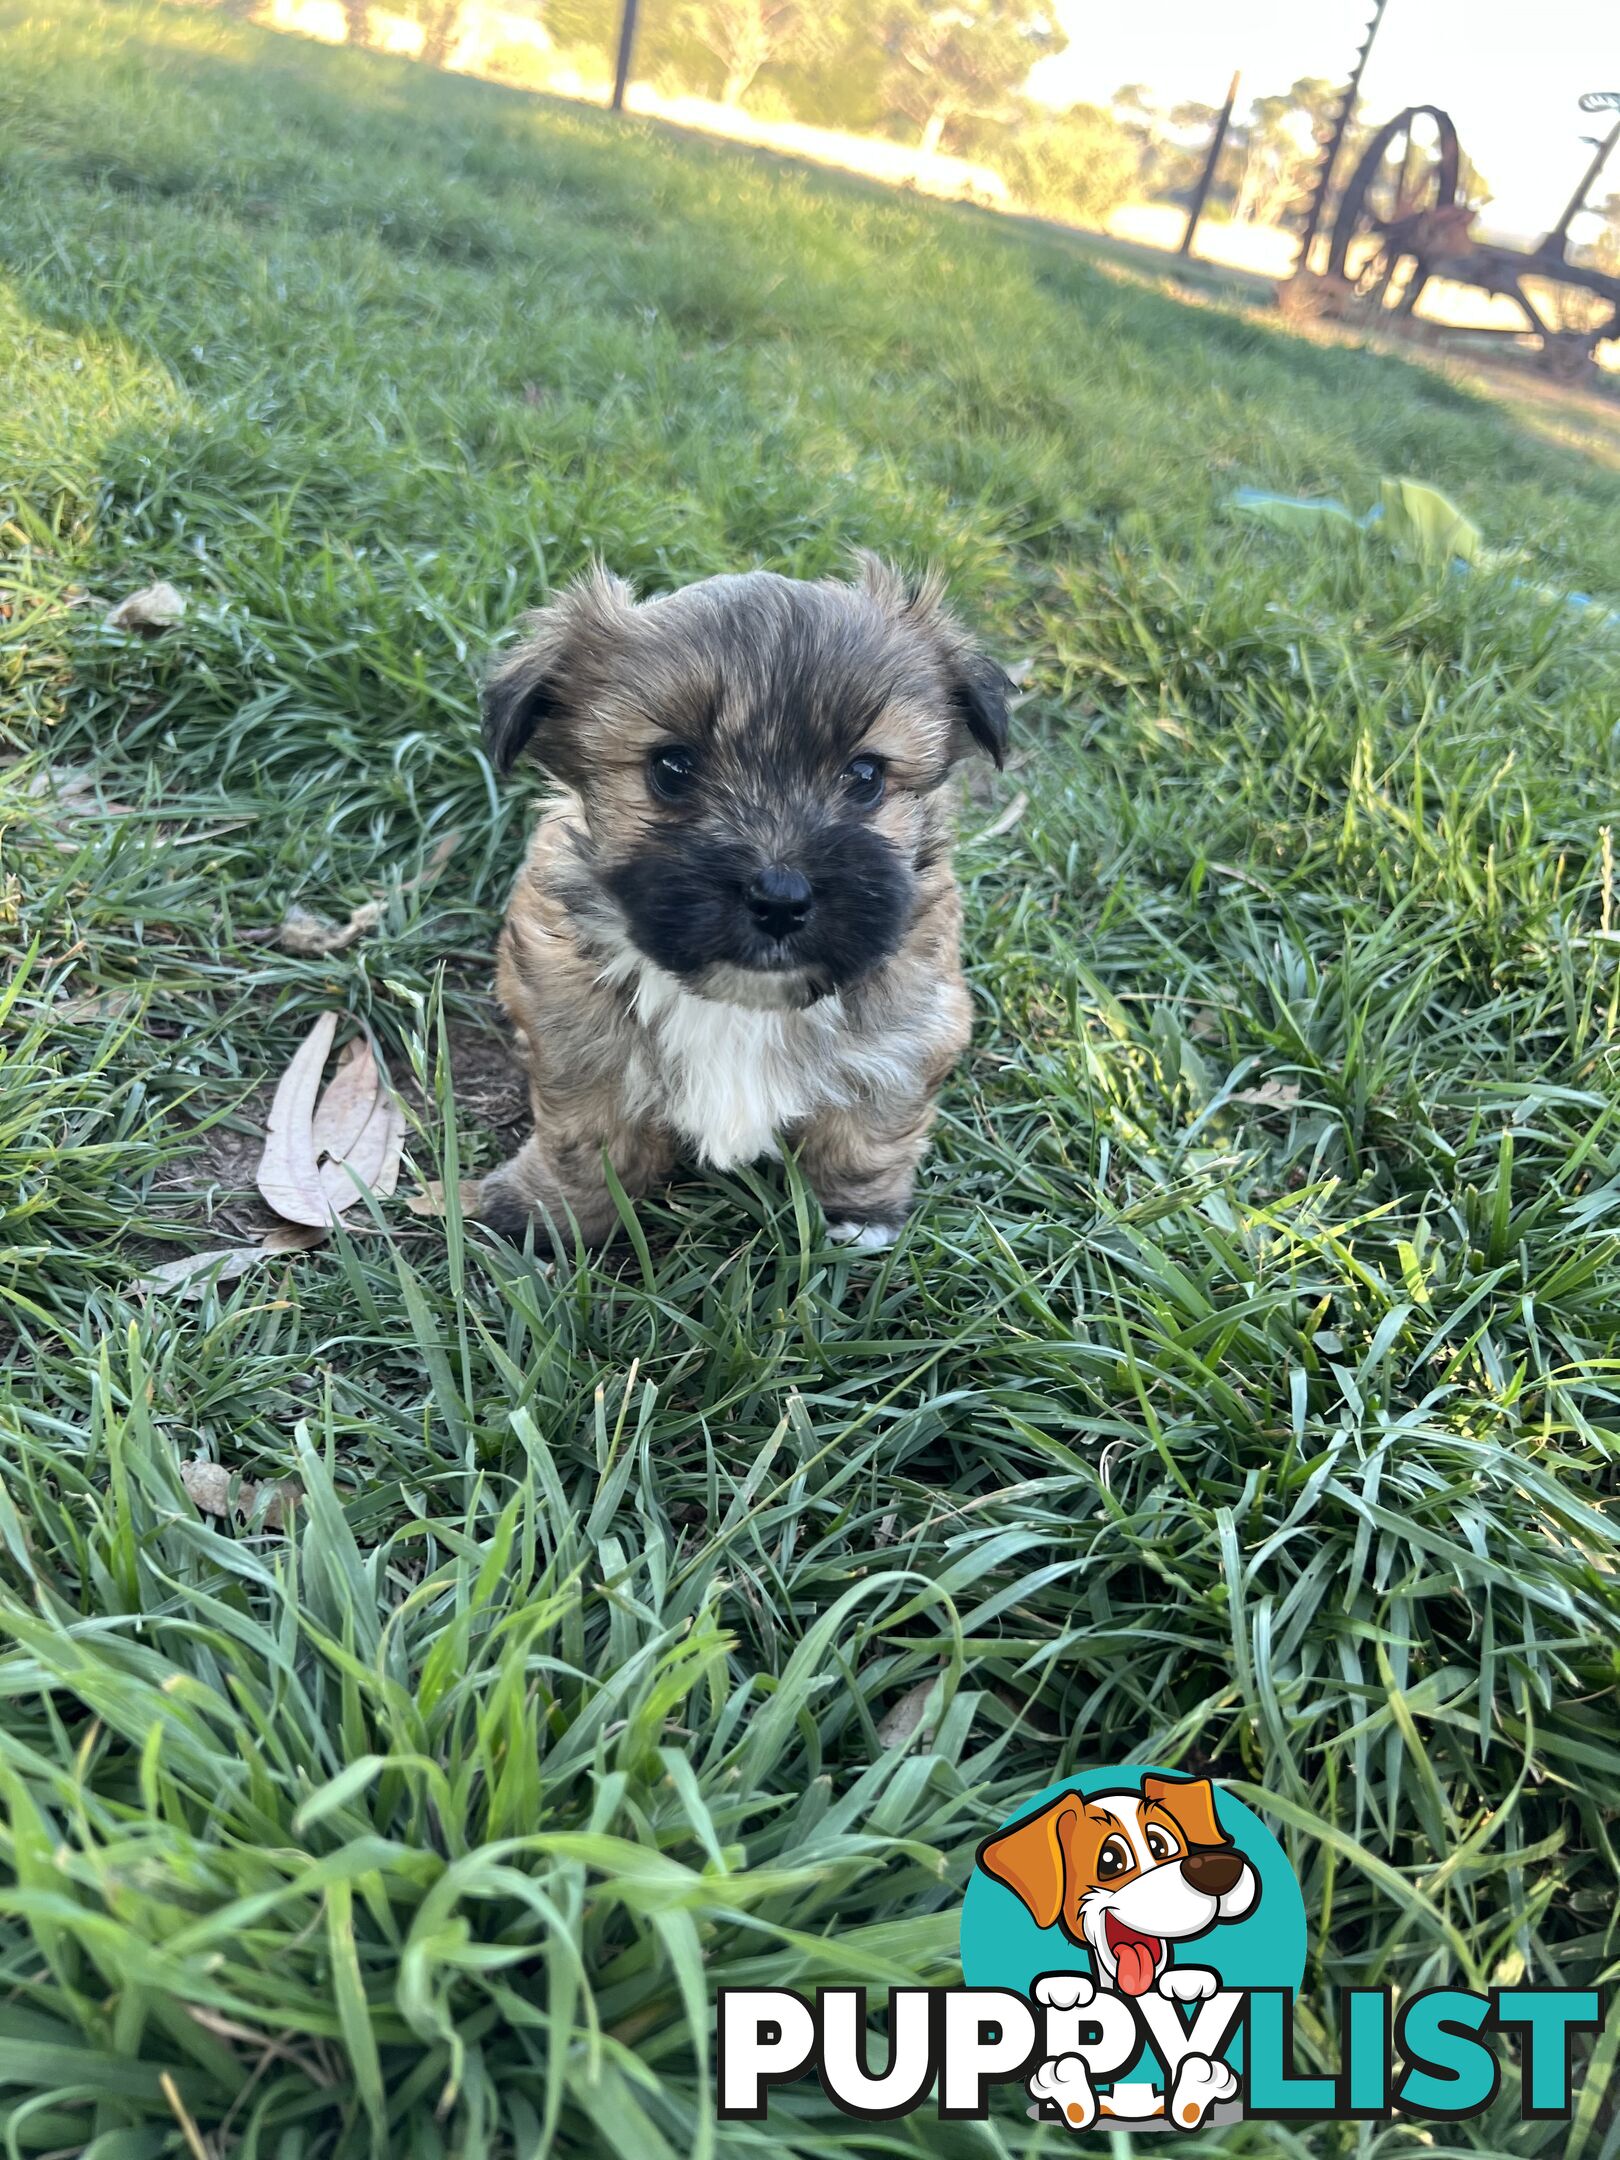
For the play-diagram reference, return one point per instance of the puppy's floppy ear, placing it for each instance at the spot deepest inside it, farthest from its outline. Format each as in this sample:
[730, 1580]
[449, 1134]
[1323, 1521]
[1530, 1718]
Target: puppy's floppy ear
[532, 690]
[1192, 1802]
[976, 686]
[1030, 1859]
[979, 695]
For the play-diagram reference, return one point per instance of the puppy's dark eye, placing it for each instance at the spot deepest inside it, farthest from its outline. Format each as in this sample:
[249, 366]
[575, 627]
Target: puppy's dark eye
[671, 771]
[864, 776]
[1160, 1843]
[1115, 1858]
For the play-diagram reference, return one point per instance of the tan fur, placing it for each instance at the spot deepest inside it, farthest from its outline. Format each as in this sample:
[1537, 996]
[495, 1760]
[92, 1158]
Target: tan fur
[1049, 1861]
[627, 1064]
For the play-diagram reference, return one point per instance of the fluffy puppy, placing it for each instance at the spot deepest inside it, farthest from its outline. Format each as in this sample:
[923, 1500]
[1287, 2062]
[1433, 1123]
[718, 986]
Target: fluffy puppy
[737, 926]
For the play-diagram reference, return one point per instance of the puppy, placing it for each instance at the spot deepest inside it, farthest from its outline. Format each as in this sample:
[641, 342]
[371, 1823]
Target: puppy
[1127, 1875]
[737, 926]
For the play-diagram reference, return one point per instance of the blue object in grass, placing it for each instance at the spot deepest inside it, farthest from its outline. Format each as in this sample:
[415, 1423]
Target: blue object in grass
[1288, 512]
[1412, 517]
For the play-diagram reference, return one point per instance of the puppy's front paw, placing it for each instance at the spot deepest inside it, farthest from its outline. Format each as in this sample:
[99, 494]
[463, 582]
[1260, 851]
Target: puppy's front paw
[1064, 1991]
[1066, 2084]
[865, 1236]
[1200, 2082]
[1187, 1983]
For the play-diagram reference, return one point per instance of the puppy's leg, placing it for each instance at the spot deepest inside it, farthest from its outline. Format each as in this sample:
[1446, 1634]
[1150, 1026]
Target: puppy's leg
[561, 1178]
[862, 1166]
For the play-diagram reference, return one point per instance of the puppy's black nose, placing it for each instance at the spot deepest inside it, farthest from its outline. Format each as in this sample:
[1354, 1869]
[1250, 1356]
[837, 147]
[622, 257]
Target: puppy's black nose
[1213, 1872]
[780, 900]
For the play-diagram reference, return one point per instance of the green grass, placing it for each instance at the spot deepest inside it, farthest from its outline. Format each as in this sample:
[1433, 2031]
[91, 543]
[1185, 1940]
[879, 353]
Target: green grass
[1244, 1396]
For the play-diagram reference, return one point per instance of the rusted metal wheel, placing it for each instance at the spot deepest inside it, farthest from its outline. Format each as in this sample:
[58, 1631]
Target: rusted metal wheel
[1402, 197]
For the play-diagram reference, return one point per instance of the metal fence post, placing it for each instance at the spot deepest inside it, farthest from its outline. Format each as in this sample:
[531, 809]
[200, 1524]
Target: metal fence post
[1206, 179]
[627, 46]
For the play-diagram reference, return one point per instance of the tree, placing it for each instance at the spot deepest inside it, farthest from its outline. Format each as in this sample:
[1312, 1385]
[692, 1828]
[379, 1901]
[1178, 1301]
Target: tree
[1079, 164]
[954, 63]
[1170, 142]
[357, 21]
[743, 36]
[1282, 140]
[593, 26]
[441, 26]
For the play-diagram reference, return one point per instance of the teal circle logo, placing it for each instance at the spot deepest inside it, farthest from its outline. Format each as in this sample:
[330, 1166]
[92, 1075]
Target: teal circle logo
[1137, 1883]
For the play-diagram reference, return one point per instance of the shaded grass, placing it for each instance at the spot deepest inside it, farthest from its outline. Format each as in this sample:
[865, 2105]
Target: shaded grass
[1242, 1397]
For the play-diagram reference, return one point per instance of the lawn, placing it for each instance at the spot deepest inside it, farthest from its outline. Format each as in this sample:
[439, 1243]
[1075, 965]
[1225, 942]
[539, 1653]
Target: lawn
[1243, 1397]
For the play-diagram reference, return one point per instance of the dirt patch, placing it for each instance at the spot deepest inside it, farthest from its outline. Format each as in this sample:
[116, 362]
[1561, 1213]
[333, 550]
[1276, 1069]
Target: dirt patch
[491, 1091]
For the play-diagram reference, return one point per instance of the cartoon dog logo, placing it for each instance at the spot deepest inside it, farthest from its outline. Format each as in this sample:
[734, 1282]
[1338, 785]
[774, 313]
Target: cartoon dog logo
[1128, 1876]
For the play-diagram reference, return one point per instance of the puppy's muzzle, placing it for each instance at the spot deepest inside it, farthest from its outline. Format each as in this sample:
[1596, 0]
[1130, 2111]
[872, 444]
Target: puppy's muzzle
[780, 900]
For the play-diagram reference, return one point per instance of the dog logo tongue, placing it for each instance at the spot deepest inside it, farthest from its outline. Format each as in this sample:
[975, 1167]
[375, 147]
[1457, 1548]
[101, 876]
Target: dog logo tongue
[1137, 1957]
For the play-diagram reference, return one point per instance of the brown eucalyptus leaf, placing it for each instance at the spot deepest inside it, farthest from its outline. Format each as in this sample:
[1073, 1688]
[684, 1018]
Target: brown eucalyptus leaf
[154, 607]
[1271, 1095]
[373, 1155]
[192, 1272]
[313, 935]
[289, 1175]
[349, 1099]
[431, 1199]
[208, 1487]
[901, 1724]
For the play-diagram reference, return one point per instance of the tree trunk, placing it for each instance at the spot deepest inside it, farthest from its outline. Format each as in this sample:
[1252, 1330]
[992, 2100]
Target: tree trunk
[439, 36]
[357, 20]
[739, 81]
[933, 130]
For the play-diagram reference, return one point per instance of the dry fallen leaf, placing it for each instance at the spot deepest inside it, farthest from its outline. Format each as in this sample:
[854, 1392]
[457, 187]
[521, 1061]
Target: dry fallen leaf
[192, 1273]
[350, 1098]
[154, 607]
[302, 932]
[95, 1005]
[430, 1200]
[289, 1176]
[306, 933]
[1273, 1095]
[373, 1154]
[208, 1487]
[73, 792]
[290, 1237]
[311, 1146]
[905, 1721]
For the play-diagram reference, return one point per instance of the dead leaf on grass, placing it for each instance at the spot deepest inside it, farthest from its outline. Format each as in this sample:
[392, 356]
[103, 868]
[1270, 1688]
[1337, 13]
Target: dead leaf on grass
[304, 933]
[430, 1200]
[904, 1722]
[208, 1488]
[154, 607]
[192, 1273]
[350, 1097]
[94, 1005]
[315, 1140]
[75, 793]
[289, 1175]
[312, 935]
[1272, 1095]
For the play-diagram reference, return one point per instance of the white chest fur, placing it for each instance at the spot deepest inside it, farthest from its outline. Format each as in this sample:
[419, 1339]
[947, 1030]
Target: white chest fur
[731, 1080]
